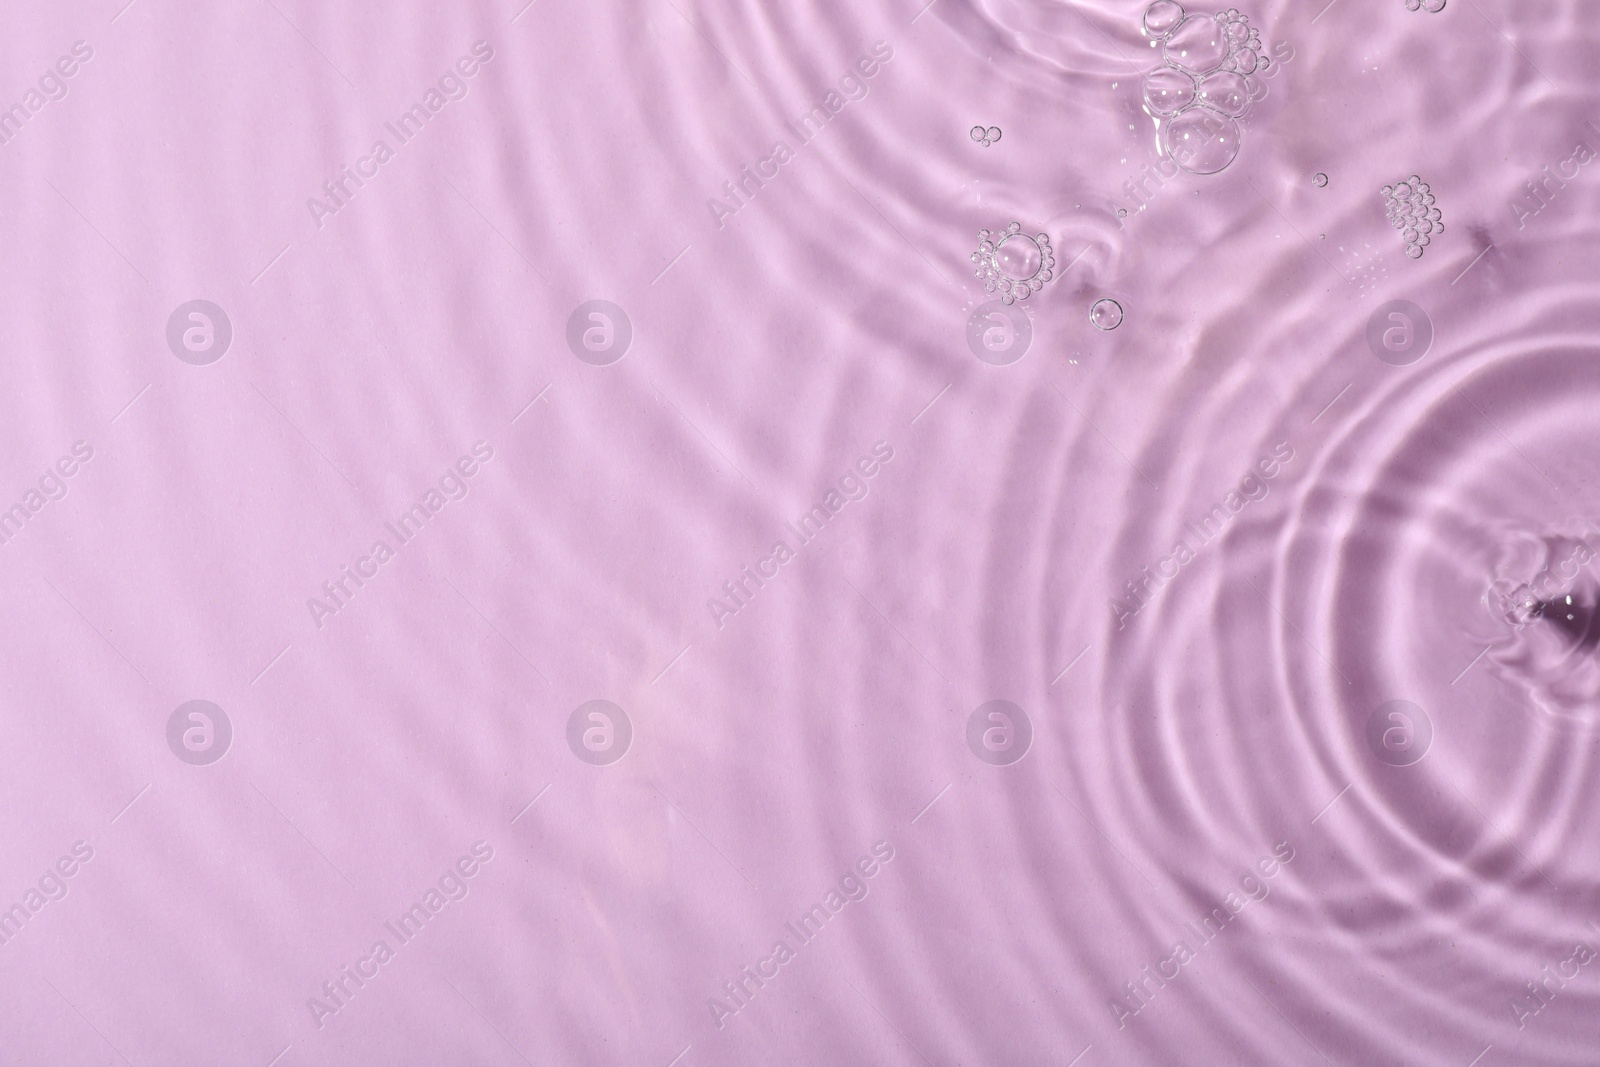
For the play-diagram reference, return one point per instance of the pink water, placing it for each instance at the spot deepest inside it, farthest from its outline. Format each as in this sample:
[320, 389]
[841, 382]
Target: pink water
[996, 532]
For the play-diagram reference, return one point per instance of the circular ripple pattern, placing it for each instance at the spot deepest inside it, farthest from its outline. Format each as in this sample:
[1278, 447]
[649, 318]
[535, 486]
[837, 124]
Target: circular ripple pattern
[1264, 542]
[1189, 559]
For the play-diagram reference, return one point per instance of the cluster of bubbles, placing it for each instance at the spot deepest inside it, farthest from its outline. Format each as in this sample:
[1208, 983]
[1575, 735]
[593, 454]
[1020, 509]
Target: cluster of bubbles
[1202, 88]
[1431, 5]
[1013, 263]
[1410, 209]
[985, 137]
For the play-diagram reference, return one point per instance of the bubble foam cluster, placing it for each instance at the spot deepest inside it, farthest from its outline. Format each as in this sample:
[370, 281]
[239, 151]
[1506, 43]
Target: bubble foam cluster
[1203, 87]
[1409, 207]
[1013, 263]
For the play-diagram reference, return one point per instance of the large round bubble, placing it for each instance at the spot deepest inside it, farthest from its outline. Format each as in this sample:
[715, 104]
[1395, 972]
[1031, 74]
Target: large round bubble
[1201, 140]
[1225, 91]
[1167, 90]
[1161, 16]
[1018, 256]
[1198, 45]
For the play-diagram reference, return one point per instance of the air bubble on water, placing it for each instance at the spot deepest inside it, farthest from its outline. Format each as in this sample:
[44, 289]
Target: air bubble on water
[1414, 251]
[1161, 17]
[1319, 179]
[1017, 264]
[1167, 90]
[1201, 140]
[1198, 45]
[1226, 92]
[1105, 314]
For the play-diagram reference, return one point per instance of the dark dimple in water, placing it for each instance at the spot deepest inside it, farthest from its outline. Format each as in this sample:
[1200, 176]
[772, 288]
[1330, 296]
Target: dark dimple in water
[1578, 618]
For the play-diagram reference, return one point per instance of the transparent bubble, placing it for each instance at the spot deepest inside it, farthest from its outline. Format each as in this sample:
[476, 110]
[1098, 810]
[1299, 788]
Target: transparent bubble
[1226, 92]
[1413, 5]
[1201, 141]
[1198, 45]
[1410, 235]
[1245, 61]
[1122, 212]
[1161, 16]
[1388, 190]
[1019, 256]
[976, 133]
[1106, 314]
[1167, 90]
[1403, 191]
[1319, 179]
[1239, 31]
[1414, 251]
[1433, 5]
[1423, 239]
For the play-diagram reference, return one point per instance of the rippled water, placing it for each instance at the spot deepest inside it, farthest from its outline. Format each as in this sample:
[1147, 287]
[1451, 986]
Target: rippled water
[979, 532]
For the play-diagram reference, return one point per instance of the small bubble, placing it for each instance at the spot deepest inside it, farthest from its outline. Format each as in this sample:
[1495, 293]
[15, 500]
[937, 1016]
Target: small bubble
[1106, 314]
[1319, 179]
[1122, 212]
